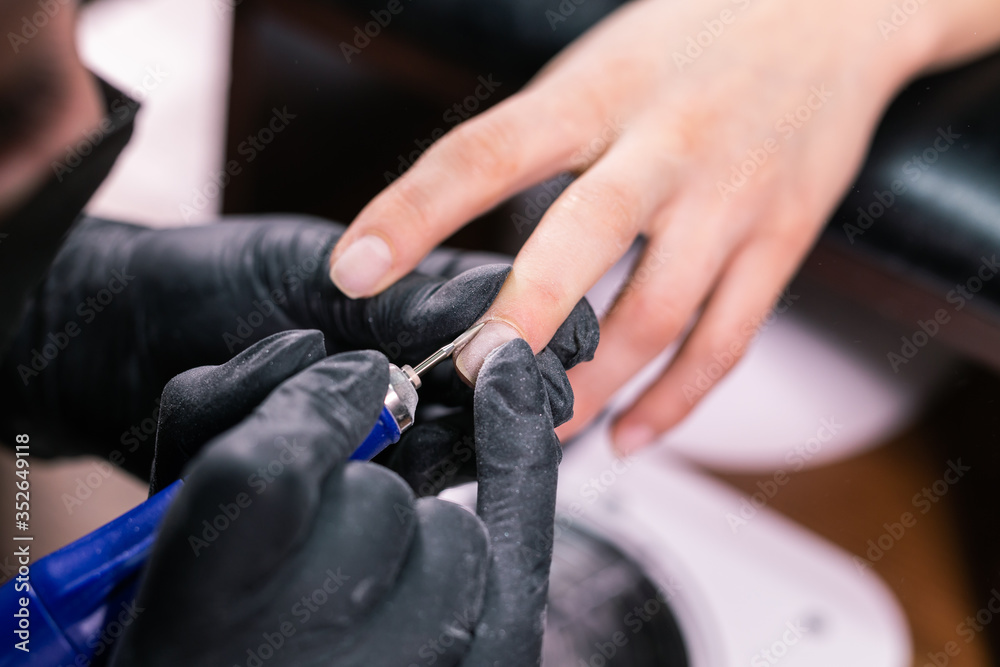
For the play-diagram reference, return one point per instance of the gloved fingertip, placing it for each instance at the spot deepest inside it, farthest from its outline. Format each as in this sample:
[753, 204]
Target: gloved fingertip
[557, 386]
[331, 406]
[279, 356]
[576, 340]
[511, 371]
[201, 403]
[484, 282]
[343, 386]
[513, 419]
[267, 362]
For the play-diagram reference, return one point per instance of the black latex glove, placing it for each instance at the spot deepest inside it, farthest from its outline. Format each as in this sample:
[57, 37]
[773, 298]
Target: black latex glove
[126, 308]
[335, 563]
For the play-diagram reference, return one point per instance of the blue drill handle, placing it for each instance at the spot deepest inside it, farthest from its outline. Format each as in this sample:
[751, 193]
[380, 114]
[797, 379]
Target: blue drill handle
[384, 433]
[78, 598]
[74, 596]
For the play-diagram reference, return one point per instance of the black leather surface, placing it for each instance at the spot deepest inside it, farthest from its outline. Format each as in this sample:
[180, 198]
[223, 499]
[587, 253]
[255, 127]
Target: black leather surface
[512, 38]
[939, 144]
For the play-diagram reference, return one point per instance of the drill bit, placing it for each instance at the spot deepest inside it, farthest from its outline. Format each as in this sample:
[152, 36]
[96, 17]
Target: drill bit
[442, 354]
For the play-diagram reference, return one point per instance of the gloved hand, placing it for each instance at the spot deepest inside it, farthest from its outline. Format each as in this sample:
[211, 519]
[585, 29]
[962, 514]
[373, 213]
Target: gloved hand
[126, 308]
[279, 552]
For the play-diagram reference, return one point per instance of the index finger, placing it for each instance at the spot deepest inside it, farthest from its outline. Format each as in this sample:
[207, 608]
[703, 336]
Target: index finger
[517, 457]
[469, 171]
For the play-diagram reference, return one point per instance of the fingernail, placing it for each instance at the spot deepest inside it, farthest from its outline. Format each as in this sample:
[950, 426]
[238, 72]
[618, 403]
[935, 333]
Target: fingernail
[632, 438]
[471, 357]
[362, 266]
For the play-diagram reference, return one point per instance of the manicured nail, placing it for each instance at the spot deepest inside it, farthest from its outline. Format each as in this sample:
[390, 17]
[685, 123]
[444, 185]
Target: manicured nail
[630, 439]
[362, 266]
[471, 357]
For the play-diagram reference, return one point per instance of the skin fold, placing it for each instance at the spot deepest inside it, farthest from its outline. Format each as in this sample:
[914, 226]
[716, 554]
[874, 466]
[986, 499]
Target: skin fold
[657, 108]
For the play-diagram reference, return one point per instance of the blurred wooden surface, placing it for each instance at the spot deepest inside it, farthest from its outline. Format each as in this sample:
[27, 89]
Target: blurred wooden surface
[849, 502]
[69, 498]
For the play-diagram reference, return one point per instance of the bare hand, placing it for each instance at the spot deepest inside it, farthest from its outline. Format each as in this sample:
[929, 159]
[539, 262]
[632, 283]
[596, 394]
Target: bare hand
[723, 131]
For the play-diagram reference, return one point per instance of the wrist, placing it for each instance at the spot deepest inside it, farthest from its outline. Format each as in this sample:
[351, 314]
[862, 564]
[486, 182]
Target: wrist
[938, 34]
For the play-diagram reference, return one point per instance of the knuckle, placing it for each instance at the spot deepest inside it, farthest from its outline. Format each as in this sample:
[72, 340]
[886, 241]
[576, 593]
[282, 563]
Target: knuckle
[662, 319]
[687, 132]
[789, 232]
[604, 206]
[485, 147]
[550, 295]
[409, 201]
[713, 344]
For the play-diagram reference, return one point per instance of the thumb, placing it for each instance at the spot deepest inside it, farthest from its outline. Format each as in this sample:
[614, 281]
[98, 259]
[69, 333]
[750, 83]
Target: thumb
[517, 455]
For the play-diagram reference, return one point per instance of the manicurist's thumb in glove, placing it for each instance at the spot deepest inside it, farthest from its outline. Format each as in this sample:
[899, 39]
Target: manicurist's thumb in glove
[278, 551]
